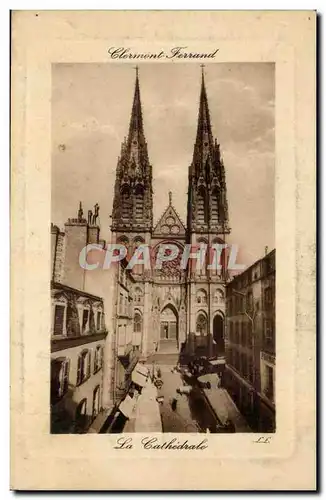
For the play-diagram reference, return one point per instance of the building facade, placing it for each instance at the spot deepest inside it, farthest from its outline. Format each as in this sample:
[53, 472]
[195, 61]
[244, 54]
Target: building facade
[78, 337]
[81, 349]
[127, 341]
[250, 343]
[176, 308]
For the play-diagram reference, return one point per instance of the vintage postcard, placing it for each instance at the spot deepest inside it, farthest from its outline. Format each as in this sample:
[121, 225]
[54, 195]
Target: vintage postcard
[163, 286]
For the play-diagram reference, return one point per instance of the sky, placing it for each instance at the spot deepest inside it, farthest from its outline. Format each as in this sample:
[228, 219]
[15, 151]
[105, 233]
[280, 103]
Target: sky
[91, 107]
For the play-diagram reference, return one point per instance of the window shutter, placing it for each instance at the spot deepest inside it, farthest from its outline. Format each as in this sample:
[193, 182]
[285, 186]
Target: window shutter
[79, 369]
[65, 378]
[89, 363]
[61, 379]
[95, 361]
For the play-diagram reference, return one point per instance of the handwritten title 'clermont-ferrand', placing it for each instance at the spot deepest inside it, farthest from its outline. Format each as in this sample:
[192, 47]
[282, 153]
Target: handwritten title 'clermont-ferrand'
[174, 53]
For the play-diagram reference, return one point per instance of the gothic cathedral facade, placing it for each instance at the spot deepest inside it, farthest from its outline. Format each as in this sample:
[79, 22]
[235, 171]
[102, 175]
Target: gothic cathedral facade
[177, 309]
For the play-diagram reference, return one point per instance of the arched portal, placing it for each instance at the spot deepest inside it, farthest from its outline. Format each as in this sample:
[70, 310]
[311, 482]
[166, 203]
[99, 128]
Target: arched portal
[218, 334]
[169, 329]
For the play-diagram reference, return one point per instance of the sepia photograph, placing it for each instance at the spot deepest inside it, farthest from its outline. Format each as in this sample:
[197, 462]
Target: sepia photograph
[163, 255]
[159, 160]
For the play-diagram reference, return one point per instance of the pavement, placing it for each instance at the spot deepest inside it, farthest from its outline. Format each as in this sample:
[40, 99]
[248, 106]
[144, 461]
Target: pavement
[180, 420]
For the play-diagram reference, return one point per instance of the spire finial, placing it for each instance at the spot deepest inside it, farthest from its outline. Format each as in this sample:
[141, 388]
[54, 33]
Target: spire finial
[136, 68]
[170, 197]
[80, 211]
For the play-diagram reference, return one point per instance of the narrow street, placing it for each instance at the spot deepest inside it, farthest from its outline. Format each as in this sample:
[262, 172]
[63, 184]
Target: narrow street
[194, 413]
[180, 419]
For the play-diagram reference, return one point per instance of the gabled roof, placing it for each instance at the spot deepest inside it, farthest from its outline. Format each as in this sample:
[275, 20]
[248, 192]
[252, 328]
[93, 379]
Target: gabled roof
[169, 223]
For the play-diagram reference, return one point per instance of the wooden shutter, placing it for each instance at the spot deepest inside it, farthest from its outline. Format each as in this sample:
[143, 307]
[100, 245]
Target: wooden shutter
[65, 376]
[79, 369]
[89, 363]
[58, 320]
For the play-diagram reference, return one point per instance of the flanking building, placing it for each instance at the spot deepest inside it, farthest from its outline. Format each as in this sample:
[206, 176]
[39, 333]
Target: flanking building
[250, 343]
[78, 337]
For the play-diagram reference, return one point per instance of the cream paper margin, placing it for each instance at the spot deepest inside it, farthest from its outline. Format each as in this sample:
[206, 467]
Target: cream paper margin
[40, 460]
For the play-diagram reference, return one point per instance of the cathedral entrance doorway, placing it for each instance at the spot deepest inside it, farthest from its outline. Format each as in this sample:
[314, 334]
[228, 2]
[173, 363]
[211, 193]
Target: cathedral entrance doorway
[218, 334]
[168, 329]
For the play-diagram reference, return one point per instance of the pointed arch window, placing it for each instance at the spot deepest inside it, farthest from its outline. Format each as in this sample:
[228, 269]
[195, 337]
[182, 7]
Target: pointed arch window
[214, 207]
[126, 203]
[139, 202]
[201, 206]
[201, 324]
[137, 323]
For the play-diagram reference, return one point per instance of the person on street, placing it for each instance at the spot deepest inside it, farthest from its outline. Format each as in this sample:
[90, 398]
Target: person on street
[174, 404]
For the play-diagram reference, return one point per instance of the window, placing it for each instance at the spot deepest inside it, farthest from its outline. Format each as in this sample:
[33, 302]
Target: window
[268, 330]
[218, 296]
[126, 205]
[81, 417]
[121, 304]
[98, 358]
[249, 301]
[96, 402]
[139, 203]
[98, 321]
[269, 382]
[201, 207]
[138, 295]
[91, 322]
[201, 325]
[84, 367]
[85, 320]
[59, 312]
[214, 208]
[268, 296]
[102, 321]
[137, 323]
[59, 378]
[201, 297]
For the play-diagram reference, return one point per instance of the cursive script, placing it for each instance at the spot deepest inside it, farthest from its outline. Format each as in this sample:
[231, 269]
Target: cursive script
[174, 53]
[152, 443]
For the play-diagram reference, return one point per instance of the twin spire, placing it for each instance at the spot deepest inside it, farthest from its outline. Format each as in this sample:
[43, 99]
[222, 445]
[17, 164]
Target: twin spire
[133, 187]
[136, 120]
[204, 129]
[204, 137]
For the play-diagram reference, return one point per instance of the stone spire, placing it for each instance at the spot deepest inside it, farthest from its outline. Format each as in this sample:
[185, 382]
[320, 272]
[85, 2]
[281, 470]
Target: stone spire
[207, 201]
[133, 186]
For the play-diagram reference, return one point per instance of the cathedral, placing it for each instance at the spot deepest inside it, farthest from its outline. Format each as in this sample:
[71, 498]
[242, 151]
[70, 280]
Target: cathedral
[178, 310]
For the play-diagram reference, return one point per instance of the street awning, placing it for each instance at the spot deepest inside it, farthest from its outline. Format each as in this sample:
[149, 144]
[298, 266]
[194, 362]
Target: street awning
[128, 406]
[216, 362]
[140, 375]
